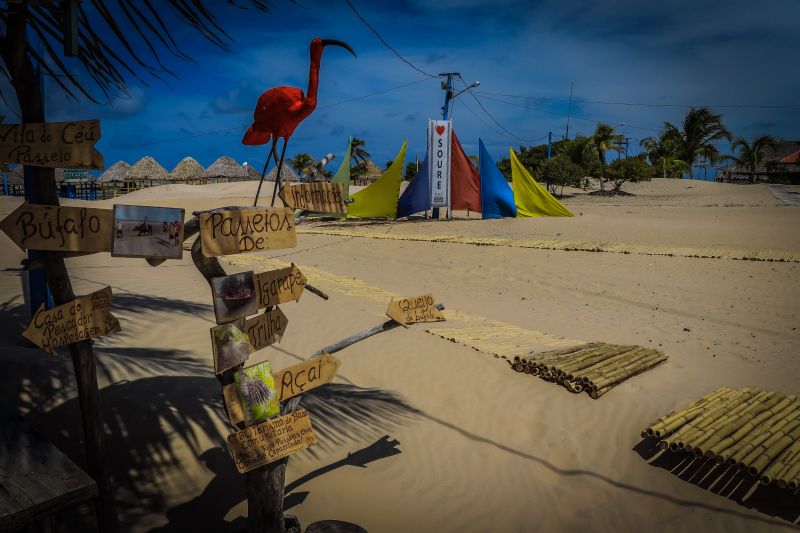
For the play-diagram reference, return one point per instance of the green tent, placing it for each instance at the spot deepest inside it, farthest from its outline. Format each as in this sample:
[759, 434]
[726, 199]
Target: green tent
[343, 174]
[532, 199]
[379, 199]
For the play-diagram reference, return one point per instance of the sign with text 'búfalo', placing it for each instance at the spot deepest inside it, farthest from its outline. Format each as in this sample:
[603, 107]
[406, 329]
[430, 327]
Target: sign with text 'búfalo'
[319, 197]
[439, 137]
[412, 310]
[271, 440]
[233, 231]
[279, 286]
[52, 144]
[60, 228]
[87, 317]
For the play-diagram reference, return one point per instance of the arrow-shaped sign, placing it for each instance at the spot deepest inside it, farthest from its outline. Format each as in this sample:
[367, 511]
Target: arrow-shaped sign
[60, 228]
[407, 311]
[320, 197]
[52, 144]
[279, 286]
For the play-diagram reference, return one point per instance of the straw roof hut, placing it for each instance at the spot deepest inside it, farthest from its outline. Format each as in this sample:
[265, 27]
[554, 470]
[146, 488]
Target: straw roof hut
[226, 167]
[252, 172]
[287, 174]
[16, 176]
[115, 172]
[146, 168]
[187, 169]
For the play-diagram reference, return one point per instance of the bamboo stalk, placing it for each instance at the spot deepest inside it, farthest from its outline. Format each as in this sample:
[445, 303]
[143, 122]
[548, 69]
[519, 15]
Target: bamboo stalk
[663, 422]
[693, 444]
[552, 357]
[697, 426]
[737, 421]
[767, 444]
[792, 475]
[762, 437]
[755, 420]
[577, 357]
[780, 469]
[732, 454]
[612, 366]
[636, 367]
[758, 466]
[586, 362]
[596, 393]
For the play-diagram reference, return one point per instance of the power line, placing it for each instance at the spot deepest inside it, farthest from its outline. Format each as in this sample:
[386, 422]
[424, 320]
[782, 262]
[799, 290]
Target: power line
[375, 93]
[517, 137]
[386, 44]
[641, 104]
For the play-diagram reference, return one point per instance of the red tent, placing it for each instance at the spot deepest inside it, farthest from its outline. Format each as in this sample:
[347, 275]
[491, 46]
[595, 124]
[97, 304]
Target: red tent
[465, 181]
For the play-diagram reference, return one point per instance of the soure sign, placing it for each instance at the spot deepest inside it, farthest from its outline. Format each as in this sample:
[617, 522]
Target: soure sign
[87, 317]
[279, 286]
[53, 144]
[319, 197]
[412, 310]
[439, 138]
[233, 231]
[60, 228]
[271, 440]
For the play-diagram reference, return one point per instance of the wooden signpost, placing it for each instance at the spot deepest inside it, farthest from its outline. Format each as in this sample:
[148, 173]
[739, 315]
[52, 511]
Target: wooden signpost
[87, 317]
[233, 231]
[60, 228]
[319, 197]
[52, 144]
[407, 311]
[279, 286]
[271, 440]
[266, 328]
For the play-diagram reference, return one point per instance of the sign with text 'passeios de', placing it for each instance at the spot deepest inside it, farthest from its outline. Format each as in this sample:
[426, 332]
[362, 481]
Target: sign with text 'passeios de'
[233, 231]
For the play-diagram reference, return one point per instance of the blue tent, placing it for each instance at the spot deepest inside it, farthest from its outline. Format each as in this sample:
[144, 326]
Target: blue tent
[497, 198]
[417, 196]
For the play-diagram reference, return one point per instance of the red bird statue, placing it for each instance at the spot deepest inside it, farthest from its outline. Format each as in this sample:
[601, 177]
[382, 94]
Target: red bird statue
[281, 109]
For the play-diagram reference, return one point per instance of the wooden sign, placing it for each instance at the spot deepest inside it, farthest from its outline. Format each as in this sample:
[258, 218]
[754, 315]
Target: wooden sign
[52, 144]
[87, 317]
[233, 231]
[59, 228]
[411, 310]
[271, 440]
[233, 403]
[319, 197]
[305, 376]
[266, 328]
[279, 286]
[256, 387]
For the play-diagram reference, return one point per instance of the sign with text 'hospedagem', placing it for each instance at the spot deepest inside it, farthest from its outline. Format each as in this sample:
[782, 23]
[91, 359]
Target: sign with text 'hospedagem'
[439, 135]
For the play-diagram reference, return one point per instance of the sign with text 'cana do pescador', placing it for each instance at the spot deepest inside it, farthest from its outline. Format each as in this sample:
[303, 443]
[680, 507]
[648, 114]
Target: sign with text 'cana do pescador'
[53, 144]
[253, 229]
[271, 440]
[439, 137]
[60, 228]
[319, 197]
[87, 317]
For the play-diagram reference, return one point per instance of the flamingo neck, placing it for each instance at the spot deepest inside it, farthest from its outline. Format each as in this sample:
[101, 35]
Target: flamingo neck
[310, 102]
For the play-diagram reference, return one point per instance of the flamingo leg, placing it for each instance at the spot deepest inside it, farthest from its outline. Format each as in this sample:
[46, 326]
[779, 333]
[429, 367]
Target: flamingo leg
[278, 175]
[264, 172]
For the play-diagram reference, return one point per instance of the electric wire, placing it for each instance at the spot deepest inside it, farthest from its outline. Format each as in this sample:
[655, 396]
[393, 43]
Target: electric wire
[517, 137]
[641, 104]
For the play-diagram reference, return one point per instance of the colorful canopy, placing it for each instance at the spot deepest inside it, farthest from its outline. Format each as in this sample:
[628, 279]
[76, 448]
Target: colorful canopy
[417, 196]
[465, 182]
[379, 200]
[532, 199]
[343, 174]
[497, 198]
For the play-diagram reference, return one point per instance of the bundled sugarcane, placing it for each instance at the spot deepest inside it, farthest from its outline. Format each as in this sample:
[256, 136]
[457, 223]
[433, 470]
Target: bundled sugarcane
[753, 430]
[594, 367]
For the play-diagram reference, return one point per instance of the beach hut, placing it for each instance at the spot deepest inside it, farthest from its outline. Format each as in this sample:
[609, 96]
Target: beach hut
[780, 165]
[14, 182]
[251, 171]
[115, 173]
[146, 172]
[372, 174]
[287, 175]
[225, 169]
[188, 170]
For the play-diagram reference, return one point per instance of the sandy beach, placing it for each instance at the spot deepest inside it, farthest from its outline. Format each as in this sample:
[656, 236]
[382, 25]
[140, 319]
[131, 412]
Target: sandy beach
[706, 272]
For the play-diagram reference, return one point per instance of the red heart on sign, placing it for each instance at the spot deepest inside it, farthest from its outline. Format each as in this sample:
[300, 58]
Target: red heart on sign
[439, 129]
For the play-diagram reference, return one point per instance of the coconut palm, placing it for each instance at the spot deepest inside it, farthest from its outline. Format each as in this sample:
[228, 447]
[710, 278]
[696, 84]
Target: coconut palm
[751, 154]
[301, 161]
[358, 154]
[700, 129]
[603, 140]
[579, 150]
[662, 153]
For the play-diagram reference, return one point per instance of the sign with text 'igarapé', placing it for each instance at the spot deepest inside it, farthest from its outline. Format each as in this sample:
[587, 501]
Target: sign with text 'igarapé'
[412, 310]
[319, 197]
[253, 229]
[271, 440]
[279, 286]
[60, 228]
[439, 136]
[52, 144]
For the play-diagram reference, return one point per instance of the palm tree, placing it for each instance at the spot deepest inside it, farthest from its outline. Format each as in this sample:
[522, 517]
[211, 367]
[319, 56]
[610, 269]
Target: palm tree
[700, 129]
[579, 150]
[751, 155]
[358, 154]
[603, 140]
[302, 161]
[662, 153]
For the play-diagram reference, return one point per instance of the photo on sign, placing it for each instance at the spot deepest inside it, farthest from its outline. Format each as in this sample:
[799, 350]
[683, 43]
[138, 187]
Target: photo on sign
[256, 388]
[142, 231]
[231, 345]
[234, 296]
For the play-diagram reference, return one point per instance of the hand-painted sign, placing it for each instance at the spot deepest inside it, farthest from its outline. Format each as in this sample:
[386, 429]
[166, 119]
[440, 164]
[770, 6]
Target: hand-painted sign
[59, 228]
[279, 286]
[256, 387]
[417, 309]
[439, 137]
[266, 329]
[319, 197]
[233, 231]
[87, 317]
[271, 440]
[305, 376]
[53, 144]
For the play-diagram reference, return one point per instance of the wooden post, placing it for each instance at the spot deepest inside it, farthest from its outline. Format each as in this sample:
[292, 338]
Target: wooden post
[29, 96]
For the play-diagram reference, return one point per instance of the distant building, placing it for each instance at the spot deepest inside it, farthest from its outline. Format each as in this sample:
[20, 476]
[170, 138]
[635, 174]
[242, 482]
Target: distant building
[781, 165]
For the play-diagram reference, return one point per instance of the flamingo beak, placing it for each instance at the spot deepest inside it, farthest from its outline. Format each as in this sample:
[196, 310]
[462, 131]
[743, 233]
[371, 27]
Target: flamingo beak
[326, 42]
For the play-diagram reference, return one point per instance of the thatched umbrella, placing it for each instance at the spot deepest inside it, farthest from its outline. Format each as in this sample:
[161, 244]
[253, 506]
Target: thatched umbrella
[252, 172]
[287, 174]
[226, 167]
[187, 170]
[115, 172]
[145, 172]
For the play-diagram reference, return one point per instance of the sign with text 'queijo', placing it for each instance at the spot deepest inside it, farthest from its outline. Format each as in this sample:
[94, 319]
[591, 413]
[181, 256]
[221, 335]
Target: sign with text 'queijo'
[233, 231]
[52, 144]
[271, 440]
[60, 228]
[319, 197]
[412, 310]
[439, 137]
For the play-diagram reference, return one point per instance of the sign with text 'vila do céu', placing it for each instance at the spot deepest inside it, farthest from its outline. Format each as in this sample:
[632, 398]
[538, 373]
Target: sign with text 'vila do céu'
[52, 144]
[60, 228]
[320, 197]
[439, 137]
[252, 229]
[271, 440]
[407, 311]
[87, 317]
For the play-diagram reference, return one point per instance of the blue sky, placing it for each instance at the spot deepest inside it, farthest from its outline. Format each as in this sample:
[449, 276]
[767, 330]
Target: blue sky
[670, 52]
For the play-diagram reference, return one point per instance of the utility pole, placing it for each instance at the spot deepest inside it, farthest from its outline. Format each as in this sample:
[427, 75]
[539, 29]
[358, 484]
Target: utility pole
[549, 142]
[627, 142]
[569, 113]
[447, 86]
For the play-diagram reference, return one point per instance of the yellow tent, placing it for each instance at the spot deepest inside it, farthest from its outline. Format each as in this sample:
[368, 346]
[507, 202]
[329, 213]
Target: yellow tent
[532, 199]
[379, 199]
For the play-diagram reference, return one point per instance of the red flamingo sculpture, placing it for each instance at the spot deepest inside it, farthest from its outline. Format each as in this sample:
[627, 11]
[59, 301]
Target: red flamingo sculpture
[281, 109]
